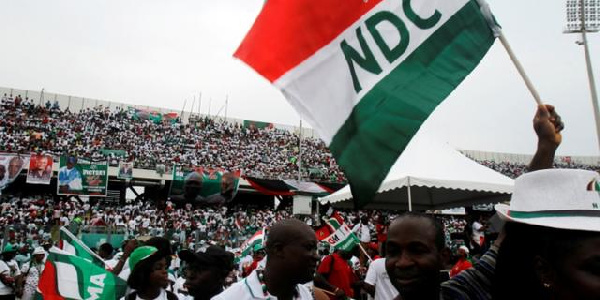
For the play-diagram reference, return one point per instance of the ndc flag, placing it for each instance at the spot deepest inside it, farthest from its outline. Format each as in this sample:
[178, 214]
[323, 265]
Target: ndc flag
[70, 277]
[72, 245]
[367, 74]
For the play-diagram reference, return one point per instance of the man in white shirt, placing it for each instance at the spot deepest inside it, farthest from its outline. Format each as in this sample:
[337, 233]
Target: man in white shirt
[364, 235]
[377, 282]
[291, 261]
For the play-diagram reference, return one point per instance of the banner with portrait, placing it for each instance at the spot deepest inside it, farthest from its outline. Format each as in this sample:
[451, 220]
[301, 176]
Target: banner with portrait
[218, 185]
[11, 166]
[125, 170]
[40, 169]
[81, 177]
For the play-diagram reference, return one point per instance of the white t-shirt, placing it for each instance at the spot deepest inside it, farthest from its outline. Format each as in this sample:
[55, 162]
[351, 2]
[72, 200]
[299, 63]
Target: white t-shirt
[363, 232]
[378, 277]
[11, 269]
[65, 221]
[251, 289]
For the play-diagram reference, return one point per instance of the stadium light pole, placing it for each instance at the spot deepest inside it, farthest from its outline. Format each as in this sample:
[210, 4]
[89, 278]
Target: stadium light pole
[583, 29]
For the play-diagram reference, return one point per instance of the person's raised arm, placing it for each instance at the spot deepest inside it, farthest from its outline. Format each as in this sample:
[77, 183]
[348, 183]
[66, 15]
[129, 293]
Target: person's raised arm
[548, 126]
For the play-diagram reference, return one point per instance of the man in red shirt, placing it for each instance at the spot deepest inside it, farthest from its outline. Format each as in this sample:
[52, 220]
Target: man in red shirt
[462, 263]
[381, 229]
[335, 275]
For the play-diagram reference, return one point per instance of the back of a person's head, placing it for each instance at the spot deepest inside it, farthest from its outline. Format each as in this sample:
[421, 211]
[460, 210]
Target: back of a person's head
[106, 248]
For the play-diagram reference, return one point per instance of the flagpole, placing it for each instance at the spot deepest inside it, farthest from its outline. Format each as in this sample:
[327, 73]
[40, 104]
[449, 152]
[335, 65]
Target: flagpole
[192, 109]
[365, 252]
[199, 104]
[590, 72]
[226, 104]
[409, 194]
[520, 69]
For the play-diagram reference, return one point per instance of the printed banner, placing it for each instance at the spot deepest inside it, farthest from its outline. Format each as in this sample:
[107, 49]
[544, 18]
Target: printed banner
[152, 115]
[40, 169]
[250, 124]
[10, 168]
[216, 185]
[125, 170]
[77, 177]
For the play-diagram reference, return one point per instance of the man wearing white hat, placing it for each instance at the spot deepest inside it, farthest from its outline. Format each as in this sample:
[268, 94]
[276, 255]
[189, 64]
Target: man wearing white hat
[415, 241]
[463, 263]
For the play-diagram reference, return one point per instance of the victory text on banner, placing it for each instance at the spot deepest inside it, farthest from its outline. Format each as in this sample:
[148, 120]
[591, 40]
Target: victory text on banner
[40, 169]
[367, 74]
[68, 276]
[79, 177]
[10, 168]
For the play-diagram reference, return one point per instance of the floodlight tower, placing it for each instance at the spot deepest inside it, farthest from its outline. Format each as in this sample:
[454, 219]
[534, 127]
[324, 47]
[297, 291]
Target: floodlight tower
[583, 16]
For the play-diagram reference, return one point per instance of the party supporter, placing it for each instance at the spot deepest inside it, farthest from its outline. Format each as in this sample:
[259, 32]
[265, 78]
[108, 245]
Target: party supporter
[291, 262]
[377, 282]
[206, 271]
[31, 273]
[149, 275]
[416, 241]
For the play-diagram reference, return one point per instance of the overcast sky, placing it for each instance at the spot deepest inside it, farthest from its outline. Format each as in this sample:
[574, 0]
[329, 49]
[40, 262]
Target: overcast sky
[159, 53]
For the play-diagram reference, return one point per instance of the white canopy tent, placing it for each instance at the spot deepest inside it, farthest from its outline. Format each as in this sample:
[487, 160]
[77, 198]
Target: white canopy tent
[432, 175]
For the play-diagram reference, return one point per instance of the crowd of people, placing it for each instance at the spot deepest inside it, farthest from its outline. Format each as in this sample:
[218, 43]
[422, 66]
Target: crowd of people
[268, 153]
[176, 252]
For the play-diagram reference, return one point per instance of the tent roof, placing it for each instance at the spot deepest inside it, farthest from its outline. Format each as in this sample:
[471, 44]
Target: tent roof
[439, 176]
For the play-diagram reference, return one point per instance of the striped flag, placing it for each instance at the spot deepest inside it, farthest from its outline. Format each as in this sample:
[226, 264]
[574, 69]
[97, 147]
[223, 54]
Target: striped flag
[257, 239]
[72, 245]
[70, 277]
[342, 237]
[367, 73]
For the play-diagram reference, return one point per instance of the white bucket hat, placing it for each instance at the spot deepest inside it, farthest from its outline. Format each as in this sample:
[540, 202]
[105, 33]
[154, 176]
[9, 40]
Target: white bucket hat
[557, 198]
[39, 250]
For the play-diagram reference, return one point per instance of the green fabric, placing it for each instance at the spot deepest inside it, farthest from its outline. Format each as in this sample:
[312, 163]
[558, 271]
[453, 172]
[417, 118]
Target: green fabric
[390, 114]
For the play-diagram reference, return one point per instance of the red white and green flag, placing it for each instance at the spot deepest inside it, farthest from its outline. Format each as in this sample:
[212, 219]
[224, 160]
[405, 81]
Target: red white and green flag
[342, 237]
[367, 73]
[72, 245]
[70, 277]
[257, 239]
